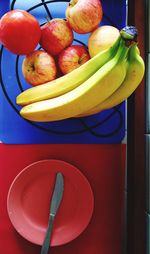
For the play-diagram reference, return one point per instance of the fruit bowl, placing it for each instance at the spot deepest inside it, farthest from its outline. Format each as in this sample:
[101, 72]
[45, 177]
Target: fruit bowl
[106, 127]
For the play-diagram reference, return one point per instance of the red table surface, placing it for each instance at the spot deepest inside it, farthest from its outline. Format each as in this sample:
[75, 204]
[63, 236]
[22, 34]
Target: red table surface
[104, 167]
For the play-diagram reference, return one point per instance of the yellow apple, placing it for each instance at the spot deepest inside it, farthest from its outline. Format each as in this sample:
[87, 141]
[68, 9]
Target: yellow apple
[102, 38]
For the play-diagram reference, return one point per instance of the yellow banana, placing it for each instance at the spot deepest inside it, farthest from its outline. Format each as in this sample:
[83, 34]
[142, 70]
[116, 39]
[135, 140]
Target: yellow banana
[81, 99]
[69, 81]
[133, 78]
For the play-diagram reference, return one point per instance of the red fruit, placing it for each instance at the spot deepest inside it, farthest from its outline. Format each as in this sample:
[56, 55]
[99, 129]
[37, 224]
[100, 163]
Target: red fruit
[56, 35]
[84, 15]
[39, 67]
[19, 32]
[72, 57]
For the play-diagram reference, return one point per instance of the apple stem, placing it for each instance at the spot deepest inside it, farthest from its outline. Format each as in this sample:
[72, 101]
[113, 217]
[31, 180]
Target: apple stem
[80, 60]
[47, 18]
[73, 2]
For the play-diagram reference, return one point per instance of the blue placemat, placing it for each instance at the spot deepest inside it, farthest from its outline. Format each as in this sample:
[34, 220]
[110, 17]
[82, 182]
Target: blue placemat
[105, 127]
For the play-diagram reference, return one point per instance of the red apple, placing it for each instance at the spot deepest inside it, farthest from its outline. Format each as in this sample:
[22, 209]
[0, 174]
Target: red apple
[72, 57]
[84, 15]
[38, 67]
[56, 35]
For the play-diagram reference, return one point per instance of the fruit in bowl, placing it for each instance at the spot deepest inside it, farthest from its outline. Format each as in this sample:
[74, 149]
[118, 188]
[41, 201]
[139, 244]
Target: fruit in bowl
[72, 57]
[56, 35]
[38, 67]
[19, 32]
[84, 15]
[102, 38]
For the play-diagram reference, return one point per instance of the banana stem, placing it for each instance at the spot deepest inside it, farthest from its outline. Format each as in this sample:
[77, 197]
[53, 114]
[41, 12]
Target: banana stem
[129, 34]
[133, 51]
[123, 52]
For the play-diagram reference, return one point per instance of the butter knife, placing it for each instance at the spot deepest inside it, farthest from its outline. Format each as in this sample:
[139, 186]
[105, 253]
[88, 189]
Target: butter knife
[54, 206]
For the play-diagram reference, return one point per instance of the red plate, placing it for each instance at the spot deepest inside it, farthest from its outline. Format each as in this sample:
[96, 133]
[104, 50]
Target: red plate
[29, 199]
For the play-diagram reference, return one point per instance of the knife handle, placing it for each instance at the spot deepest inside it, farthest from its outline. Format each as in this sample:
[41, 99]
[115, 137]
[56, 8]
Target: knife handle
[46, 243]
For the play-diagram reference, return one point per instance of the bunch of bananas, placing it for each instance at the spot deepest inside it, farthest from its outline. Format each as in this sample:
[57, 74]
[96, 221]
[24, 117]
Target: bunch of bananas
[101, 83]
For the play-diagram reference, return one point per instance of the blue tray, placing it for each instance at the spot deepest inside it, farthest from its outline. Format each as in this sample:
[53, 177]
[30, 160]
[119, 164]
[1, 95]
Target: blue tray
[103, 128]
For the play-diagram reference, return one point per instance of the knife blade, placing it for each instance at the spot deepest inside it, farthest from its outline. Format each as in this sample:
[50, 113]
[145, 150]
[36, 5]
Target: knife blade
[54, 206]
